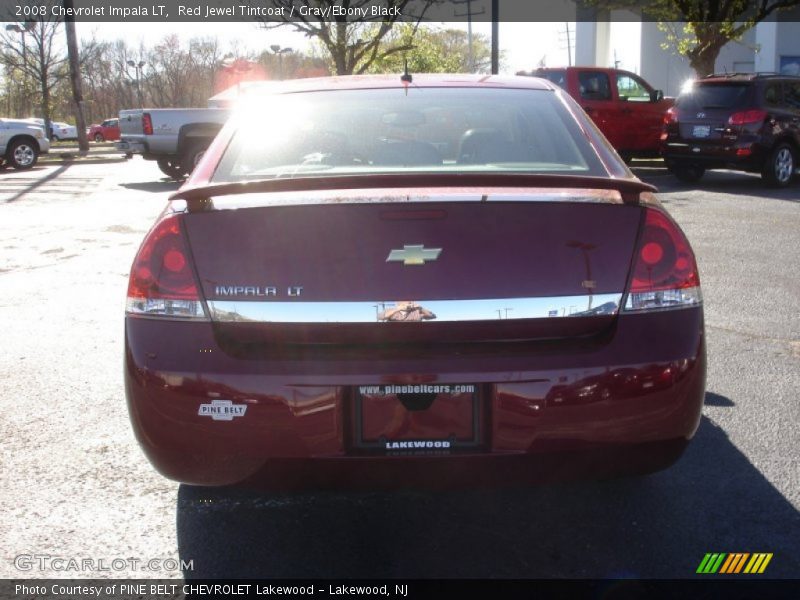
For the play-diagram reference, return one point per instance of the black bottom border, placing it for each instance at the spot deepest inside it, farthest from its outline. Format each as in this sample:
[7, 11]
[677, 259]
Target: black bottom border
[744, 588]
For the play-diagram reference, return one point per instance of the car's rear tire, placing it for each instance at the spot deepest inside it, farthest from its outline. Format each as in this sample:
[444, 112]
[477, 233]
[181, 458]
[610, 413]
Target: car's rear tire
[98, 137]
[688, 173]
[779, 167]
[22, 154]
[192, 155]
[170, 168]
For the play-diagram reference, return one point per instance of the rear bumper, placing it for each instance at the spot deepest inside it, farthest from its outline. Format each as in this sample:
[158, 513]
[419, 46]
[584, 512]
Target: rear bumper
[131, 147]
[466, 471]
[627, 402]
[743, 156]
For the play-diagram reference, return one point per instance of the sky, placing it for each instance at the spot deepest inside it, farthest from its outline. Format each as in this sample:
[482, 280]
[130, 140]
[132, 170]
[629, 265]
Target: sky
[524, 44]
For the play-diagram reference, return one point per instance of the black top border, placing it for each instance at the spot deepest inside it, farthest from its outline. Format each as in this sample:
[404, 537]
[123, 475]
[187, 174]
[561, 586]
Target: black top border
[276, 11]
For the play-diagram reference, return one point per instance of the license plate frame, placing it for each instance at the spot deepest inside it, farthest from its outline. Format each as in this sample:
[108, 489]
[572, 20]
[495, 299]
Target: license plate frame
[469, 438]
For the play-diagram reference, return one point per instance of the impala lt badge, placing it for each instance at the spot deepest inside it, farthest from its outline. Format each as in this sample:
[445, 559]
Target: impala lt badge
[414, 254]
[256, 290]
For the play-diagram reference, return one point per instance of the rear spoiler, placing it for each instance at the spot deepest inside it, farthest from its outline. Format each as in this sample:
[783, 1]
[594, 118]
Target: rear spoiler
[630, 189]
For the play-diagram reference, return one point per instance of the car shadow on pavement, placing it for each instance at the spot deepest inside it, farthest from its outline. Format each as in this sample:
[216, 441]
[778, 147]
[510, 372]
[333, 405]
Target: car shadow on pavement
[712, 500]
[722, 182]
[713, 399]
[162, 185]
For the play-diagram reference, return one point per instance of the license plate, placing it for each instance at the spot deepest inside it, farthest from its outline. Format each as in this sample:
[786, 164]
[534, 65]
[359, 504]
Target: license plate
[417, 418]
[701, 131]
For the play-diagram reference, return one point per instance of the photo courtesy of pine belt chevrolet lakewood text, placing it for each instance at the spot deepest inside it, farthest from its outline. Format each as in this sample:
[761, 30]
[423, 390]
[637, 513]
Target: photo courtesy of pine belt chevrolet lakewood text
[438, 280]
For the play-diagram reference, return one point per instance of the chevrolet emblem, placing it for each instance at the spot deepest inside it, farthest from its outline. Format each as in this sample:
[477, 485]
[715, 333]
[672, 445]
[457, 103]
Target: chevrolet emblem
[414, 254]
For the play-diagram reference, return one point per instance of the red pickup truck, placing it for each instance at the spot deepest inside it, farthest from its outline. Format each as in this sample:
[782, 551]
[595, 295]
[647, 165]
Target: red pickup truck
[626, 108]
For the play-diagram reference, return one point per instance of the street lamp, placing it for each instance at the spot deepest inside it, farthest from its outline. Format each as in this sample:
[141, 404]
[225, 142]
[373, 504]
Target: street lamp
[138, 66]
[276, 48]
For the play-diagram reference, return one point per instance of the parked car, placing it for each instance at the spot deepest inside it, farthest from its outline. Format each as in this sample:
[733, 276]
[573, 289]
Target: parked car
[627, 109]
[54, 129]
[747, 122]
[175, 138]
[63, 131]
[21, 143]
[375, 282]
[107, 131]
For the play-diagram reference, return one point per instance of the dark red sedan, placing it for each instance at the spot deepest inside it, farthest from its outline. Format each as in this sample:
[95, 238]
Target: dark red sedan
[448, 281]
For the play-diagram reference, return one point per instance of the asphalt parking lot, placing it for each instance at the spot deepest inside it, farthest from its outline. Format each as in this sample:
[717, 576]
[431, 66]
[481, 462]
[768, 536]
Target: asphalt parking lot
[75, 484]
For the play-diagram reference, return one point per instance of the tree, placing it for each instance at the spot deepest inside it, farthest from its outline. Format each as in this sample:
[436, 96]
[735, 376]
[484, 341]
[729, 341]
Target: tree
[292, 65]
[708, 25]
[435, 51]
[179, 75]
[106, 90]
[36, 54]
[353, 44]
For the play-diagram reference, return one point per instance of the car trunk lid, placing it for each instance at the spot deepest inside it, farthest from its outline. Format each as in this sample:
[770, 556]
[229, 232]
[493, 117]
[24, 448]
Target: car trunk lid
[447, 266]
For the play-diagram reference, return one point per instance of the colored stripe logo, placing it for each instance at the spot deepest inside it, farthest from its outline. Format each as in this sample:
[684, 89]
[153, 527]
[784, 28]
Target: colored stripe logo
[733, 563]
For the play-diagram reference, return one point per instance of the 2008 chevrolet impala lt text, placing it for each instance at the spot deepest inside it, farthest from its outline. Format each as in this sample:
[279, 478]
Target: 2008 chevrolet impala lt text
[427, 280]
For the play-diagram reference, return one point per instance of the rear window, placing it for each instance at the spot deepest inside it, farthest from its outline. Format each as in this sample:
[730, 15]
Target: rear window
[416, 130]
[559, 77]
[715, 95]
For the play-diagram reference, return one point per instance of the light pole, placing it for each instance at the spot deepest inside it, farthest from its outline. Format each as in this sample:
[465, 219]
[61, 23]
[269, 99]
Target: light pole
[22, 31]
[276, 48]
[138, 66]
[469, 14]
[495, 35]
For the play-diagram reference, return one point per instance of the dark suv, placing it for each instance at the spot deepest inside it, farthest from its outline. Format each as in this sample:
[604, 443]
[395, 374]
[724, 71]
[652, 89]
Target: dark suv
[748, 122]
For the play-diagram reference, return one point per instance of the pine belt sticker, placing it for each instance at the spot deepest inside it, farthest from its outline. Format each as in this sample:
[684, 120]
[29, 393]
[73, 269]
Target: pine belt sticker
[222, 410]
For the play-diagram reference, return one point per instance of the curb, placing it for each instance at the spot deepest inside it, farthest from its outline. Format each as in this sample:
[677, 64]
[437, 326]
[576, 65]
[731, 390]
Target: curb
[83, 160]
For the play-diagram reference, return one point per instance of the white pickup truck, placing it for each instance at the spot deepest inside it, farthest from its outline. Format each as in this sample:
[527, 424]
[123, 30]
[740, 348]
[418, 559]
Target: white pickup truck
[21, 143]
[174, 137]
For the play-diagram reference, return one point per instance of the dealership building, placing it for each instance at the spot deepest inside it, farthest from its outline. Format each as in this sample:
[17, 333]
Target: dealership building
[770, 46]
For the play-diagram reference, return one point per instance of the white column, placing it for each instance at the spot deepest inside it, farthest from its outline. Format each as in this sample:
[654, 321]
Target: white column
[663, 69]
[767, 44]
[592, 43]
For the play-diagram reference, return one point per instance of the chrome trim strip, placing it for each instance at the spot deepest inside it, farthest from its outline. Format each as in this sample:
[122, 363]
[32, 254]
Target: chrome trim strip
[421, 310]
[328, 197]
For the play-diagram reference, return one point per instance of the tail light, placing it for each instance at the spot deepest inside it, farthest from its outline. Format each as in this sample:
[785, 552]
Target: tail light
[162, 283]
[671, 116]
[747, 116]
[147, 124]
[664, 269]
